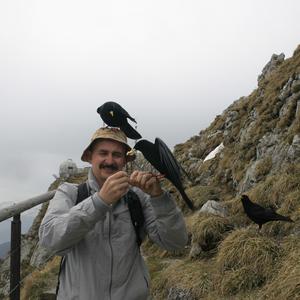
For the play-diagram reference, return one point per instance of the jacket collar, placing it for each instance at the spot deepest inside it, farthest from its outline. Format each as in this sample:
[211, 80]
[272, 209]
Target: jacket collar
[92, 181]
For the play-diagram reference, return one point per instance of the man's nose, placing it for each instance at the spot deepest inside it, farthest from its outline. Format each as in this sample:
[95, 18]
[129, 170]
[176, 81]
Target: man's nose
[109, 158]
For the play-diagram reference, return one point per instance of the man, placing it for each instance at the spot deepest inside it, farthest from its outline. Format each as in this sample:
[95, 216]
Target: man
[97, 237]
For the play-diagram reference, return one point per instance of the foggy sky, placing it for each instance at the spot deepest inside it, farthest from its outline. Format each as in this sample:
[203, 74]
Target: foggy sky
[173, 65]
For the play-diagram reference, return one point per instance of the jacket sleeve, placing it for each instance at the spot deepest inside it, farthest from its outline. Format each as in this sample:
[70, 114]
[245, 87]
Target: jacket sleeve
[65, 224]
[164, 222]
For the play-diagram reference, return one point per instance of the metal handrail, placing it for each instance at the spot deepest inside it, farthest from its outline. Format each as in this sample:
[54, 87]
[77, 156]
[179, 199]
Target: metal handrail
[15, 211]
[21, 206]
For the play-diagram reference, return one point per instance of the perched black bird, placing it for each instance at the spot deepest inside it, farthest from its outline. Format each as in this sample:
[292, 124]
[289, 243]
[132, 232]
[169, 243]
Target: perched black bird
[259, 214]
[114, 115]
[162, 159]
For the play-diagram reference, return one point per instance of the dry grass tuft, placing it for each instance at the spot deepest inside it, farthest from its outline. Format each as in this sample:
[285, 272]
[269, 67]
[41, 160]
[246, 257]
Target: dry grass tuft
[152, 250]
[194, 279]
[208, 230]
[40, 280]
[246, 260]
[286, 284]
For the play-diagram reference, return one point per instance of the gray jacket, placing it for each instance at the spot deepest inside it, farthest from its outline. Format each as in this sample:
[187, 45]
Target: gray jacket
[99, 242]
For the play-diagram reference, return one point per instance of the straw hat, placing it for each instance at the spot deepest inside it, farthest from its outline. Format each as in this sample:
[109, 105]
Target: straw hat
[109, 133]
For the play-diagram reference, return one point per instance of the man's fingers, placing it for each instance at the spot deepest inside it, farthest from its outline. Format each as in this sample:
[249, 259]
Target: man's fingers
[140, 178]
[160, 177]
[145, 178]
[122, 186]
[118, 174]
[123, 190]
[133, 175]
[115, 180]
[151, 181]
[134, 178]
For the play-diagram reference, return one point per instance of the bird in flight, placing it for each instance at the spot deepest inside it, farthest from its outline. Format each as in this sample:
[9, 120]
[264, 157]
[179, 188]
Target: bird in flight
[114, 115]
[162, 159]
[261, 215]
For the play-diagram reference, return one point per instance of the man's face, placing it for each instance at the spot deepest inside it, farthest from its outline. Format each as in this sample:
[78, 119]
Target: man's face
[107, 158]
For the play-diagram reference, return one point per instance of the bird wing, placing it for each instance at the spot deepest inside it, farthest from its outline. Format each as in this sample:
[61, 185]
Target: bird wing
[150, 153]
[120, 110]
[173, 169]
[162, 159]
[254, 209]
[274, 216]
[166, 157]
[130, 132]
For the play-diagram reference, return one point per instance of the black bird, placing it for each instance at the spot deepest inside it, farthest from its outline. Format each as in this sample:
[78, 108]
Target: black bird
[162, 159]
[114, 115]
[261, 215]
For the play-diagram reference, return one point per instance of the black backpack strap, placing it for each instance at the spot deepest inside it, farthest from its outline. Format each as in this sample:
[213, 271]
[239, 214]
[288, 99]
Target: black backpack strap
[82, 193]
[61, 265]
[136, 214]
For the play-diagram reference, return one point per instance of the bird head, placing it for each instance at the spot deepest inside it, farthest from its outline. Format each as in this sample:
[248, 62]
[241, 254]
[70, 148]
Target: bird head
[142, 145]
[245, 198]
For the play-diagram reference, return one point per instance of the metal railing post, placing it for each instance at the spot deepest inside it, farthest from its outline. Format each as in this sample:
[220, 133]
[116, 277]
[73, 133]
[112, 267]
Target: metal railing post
[15, 259]
[15, 211]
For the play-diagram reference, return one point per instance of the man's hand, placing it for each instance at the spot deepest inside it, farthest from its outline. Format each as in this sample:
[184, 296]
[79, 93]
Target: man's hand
[114, 187]
[147, 182]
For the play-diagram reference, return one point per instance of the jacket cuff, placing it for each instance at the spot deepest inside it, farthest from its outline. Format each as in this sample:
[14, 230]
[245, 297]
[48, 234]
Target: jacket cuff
[100, 205]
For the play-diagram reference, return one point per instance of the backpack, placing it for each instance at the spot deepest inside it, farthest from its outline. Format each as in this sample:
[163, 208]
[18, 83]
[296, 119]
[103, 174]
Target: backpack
[135, 210]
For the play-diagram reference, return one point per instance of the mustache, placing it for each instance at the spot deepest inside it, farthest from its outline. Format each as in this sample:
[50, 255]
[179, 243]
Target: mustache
[108, 166]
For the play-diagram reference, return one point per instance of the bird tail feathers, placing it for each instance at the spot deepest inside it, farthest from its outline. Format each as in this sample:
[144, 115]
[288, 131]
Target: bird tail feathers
[187, 200]
[131, 132]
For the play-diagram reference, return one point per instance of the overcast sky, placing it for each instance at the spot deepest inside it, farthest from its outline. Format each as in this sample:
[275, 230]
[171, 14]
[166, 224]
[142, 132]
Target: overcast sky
[173, 65]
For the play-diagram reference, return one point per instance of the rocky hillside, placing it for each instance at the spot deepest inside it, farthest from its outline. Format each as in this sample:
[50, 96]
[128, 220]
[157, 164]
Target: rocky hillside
[252, 148]
[258, 143]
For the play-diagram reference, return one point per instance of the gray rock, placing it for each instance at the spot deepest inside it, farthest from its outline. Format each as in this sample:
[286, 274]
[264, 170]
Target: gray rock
[215, 208]
[286, 106]
[232, 116]
[275, 61]
[214, 133]
[245, 132]
[294, 150]
[253, 114]
[195, 250]
[295, 86]
[249, 180]
[267, 144]
[273, 145]
[298, 108]
[203, 178]
[286, 90]
[179, 294]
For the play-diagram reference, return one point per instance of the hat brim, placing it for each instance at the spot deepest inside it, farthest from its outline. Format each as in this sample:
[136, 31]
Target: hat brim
[86, 155]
